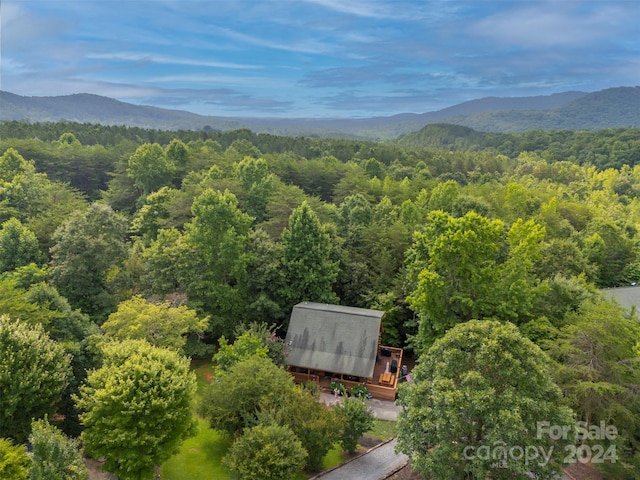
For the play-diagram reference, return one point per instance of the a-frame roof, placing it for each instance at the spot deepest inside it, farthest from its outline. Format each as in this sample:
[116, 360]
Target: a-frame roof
[333, 338]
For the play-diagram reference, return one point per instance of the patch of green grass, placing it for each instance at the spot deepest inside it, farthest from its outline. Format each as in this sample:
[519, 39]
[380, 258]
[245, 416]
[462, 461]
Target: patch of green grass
[334, 457]
[199, 457]
[382, 429]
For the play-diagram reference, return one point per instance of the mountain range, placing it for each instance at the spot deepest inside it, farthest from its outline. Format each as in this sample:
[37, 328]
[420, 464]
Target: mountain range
[573, 110]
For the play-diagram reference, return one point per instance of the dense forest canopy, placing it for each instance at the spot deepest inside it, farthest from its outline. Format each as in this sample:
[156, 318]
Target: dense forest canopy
[437, 229]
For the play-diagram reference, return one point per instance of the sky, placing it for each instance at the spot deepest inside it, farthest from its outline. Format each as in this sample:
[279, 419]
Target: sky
[316, 58]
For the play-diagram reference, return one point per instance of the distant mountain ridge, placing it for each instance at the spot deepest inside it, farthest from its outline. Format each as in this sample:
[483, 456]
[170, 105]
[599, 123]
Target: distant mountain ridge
[610, 108]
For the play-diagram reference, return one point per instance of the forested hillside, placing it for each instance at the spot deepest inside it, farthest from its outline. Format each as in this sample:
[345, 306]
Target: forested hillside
[440, 228]
[609, 108]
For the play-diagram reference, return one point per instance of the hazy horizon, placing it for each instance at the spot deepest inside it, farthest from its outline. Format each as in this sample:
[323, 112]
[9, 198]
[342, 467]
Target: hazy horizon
[315, 58]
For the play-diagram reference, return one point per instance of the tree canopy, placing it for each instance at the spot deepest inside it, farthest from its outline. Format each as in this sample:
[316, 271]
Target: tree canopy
[161, 325]
[34, 371]
[137, 407]
[476, 397]
[238, 227]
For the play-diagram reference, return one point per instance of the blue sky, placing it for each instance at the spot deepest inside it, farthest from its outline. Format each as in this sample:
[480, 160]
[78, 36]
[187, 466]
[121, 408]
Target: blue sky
[316, 58]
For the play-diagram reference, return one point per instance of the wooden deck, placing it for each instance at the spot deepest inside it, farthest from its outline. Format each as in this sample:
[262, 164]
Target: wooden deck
[383, 385]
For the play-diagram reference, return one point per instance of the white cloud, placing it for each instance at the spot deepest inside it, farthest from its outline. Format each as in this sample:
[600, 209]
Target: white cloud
[354, 7]
[552, 24]
[303, 46]
[161, 59]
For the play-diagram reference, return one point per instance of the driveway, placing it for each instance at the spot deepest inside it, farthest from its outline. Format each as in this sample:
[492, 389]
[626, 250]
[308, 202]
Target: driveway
[377, 464]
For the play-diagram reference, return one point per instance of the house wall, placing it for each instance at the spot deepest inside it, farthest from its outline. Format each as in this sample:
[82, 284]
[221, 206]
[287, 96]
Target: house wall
[375, 388]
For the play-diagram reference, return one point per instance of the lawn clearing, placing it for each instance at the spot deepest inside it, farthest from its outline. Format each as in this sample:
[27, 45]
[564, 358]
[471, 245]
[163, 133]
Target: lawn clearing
[382, 430]
[199, 457]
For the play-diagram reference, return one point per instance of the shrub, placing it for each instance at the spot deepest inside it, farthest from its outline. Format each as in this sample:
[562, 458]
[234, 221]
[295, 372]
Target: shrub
[359, 391]
[356, 419]
[338, 388]
[267, 452]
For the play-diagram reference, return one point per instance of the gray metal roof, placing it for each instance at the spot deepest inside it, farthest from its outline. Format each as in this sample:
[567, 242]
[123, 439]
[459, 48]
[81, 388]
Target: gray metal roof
[333, 338]
[627, 297]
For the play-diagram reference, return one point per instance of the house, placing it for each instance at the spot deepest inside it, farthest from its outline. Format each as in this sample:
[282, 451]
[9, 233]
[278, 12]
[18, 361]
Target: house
[328, 342]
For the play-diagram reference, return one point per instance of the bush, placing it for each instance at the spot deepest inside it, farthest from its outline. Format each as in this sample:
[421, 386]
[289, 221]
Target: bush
[312, 387]
[55, 456]
[14, 461]
[267, 452]
[359, 391]
[356, 419]
[338, 388]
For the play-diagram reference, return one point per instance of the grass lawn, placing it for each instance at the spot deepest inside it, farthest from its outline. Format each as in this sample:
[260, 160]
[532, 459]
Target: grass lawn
[382, 430]
[200, 456]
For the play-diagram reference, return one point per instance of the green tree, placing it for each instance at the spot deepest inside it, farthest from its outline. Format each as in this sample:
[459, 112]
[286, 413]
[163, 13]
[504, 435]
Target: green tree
[257, 183]
[266, 282]
[34, 371]
[18, 246]
[68, 139]
[153, 215]
[308, 268]
[610, 249]
[22, 190]
[444, 196]
[177, 153]
[66, 324]
[150, 169]
[245, 346]
[267, 452]
[277, 348]
[161, 324]
[598, 369]
[14, 461]
[15, 304]
[356, 419]
[314, 423]
[472, 267]
[87, 258]
[137, 407]
[54, 455]
[219, 235]
[232, 402]
[168, 263]
[483, 386]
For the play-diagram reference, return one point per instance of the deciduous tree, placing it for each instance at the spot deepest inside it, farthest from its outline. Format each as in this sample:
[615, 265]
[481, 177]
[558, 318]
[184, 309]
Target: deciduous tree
[355, 419]
[18, 246]
[314, 423]
[231, 402]
[34, 371]
[88, 253]
[477, 395]
[150, 169]
[219, 234]
[137, 407]
[161, 324]
[472, 267]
